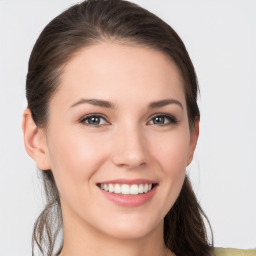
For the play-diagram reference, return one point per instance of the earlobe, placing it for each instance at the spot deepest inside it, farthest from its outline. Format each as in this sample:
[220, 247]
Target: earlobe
[34, 141]
[193, 140]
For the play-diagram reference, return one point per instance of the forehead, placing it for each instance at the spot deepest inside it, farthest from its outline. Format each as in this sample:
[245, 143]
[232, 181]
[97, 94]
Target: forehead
[114, 70]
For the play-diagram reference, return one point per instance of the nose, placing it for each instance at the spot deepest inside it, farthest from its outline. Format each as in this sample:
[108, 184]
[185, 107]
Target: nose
[129, 148]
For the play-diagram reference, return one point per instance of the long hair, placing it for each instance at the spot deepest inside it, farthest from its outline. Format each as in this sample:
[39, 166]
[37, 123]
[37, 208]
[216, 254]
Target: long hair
[80, 26]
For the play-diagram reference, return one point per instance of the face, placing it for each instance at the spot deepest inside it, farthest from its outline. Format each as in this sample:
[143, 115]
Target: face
[118, 139]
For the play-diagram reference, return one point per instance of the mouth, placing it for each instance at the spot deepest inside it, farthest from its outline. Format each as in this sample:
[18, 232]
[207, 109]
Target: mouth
[127, 192]
[127, 189]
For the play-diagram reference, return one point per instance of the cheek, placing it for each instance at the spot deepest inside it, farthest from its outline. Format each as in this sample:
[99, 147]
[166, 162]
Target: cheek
[172, 151]
[74, 157]
[168, 158]
[171, 155]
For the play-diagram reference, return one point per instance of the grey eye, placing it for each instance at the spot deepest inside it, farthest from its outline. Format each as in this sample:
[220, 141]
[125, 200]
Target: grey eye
[93, 120]
[163, 120]
[159, 120]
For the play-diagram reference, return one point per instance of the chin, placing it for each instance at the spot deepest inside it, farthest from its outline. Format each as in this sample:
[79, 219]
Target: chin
[134, 229]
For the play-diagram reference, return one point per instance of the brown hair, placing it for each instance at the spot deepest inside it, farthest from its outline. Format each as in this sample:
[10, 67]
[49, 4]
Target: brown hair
[88, 23]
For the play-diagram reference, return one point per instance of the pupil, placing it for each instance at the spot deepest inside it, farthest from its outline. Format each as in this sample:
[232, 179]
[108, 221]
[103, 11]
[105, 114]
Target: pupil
[94, 120]
[159, 120]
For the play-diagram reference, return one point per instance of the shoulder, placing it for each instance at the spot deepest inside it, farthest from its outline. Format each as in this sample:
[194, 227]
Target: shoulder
[234, 252]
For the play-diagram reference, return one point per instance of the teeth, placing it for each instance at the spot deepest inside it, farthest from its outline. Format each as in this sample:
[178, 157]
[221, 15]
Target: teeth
[117, 189]
[145, 188]
[134, 190]
[111, 188]
[141, 188]
[124, 189]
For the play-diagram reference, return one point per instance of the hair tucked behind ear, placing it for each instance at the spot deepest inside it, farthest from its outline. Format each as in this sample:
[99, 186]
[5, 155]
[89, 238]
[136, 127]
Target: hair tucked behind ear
[85, 24]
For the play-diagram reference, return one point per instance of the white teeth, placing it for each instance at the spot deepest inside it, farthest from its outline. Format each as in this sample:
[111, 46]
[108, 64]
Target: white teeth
[134, 190]
[141, 189]
[125, 189]
[111, 188]
[145, 188]
[117, 189]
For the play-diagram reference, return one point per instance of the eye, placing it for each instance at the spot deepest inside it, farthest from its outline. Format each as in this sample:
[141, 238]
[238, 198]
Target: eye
[163, 120]
[93, 120]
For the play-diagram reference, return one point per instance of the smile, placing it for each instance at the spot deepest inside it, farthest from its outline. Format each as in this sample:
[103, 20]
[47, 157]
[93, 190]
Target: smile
[125, 189]
[127, 192]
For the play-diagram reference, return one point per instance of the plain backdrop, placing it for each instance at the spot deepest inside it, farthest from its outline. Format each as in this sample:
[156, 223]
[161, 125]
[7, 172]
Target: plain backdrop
[220, 37]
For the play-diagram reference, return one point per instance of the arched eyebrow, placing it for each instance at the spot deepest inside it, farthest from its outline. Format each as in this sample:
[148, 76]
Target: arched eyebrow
[107, 104]
[162, 103]
[95, 102]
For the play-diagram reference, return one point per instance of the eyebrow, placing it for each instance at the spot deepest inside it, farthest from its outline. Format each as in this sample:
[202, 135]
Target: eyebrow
[95, 102]
[107, 104]
[165, 102]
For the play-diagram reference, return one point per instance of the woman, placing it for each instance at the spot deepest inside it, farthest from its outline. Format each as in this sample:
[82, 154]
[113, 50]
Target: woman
[112, 122]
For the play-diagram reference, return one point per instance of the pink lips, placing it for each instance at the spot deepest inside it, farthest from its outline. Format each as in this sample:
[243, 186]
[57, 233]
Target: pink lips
[129, 200]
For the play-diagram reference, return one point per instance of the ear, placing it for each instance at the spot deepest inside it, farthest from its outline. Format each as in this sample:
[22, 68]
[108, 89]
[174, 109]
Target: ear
[35, 141]
[194, 133]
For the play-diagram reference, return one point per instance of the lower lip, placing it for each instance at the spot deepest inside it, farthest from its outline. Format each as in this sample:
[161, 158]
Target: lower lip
[129, 200]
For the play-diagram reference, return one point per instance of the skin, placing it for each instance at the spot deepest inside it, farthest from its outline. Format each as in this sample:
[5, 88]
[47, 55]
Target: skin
[127, 143]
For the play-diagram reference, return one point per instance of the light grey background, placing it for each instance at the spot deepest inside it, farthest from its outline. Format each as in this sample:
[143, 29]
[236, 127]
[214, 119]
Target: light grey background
[220, 37]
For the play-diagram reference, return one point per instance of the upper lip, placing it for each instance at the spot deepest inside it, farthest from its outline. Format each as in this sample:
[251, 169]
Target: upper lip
[128, 181]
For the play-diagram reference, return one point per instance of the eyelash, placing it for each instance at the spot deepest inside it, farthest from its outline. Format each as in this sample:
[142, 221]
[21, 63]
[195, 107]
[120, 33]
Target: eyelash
[171, 119]
[90, 116]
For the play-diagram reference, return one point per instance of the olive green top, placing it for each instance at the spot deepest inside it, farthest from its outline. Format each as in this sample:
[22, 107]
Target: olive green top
[230, 252]
[234, 252]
